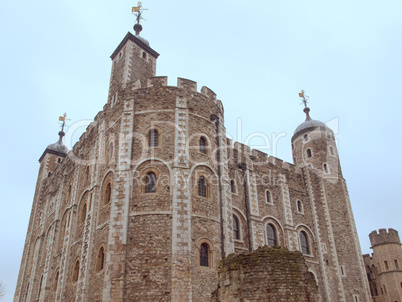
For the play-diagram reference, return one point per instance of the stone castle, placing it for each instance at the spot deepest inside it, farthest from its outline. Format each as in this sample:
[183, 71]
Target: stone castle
[153, 196]
[384, 266]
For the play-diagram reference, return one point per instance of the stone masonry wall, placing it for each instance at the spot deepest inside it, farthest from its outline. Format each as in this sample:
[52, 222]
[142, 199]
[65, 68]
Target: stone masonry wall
[267, 274]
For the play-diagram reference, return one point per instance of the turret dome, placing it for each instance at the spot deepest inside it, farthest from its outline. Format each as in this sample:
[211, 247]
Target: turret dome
[59, 146]
[308, 124]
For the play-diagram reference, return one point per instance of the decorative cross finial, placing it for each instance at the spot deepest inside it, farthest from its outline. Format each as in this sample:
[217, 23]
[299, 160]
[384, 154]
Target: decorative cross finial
[137, 11]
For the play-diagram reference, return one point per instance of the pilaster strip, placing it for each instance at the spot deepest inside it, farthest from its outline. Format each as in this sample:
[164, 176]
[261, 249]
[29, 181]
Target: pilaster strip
[181, 210]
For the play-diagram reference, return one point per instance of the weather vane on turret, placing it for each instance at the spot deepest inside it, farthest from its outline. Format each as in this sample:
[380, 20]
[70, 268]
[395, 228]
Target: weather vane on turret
[63, 120]
[304, 100]
[137, 11]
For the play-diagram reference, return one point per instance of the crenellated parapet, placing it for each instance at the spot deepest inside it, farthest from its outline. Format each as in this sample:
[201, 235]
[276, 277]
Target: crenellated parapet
[384, 237]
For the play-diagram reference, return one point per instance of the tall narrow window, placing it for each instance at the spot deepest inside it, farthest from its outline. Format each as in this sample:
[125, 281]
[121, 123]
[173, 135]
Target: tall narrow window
[232, 186]
[108, 193]
[309, 154]
[203, 145]
[110, 151]
[87, 174]
[150, 183]
[305, 137]
[396, 263]
[202, 188]
[268, 197]
[100, 261]
[386, 265]
[331, 150]
[153, 138]
[40, 286]
[76, 271]
[271, 235]
[299, 206]
[26, 293]
[83, 213]
[304, 243]
[204, 250]
[56, 281]
[325, 167]
[236, 231]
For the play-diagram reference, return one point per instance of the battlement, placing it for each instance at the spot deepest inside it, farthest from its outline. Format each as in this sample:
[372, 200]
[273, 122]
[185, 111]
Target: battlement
[384, 237]
[262, 157]
[182, 83]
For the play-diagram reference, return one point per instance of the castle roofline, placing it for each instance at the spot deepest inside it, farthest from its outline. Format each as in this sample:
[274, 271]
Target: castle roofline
[137, 41]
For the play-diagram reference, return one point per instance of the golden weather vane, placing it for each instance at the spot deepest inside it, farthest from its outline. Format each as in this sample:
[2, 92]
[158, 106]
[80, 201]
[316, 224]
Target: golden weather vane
[63, 120]
[137, 10]
[304, 98]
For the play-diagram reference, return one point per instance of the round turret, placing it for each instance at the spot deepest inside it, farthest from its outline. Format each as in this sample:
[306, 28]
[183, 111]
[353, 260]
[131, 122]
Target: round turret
[313, 145]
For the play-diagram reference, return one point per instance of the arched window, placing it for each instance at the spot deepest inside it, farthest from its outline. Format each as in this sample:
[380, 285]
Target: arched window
[150, 182]
[232, 186]
[108, 193]
[268, 197]
[299, 206]
[203, 145]
[308, 151]
[325, 167]
[271, 235]
[56, 281]
[236, 229]
[153, 138]
[100, 261]
[202, 188]
[76, 271]
[305, 137]
[331, 150]
[304, 243]
[204, 253]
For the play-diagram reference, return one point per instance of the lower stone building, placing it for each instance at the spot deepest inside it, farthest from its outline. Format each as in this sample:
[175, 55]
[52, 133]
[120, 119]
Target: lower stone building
[154, 195]
[384, 266]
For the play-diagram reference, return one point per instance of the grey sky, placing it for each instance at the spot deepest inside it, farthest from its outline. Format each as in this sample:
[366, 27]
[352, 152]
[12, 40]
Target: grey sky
[256, 55]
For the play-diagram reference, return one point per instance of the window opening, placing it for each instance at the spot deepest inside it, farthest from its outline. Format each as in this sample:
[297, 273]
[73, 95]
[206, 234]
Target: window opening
[236, 231]
[204, 249]
[150, 183]
[271, 235]
[304, 243]
[203, 145]
[153, 138]
[202, 190]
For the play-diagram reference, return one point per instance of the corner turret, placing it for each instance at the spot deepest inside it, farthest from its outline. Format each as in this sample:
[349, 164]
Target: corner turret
[133, 61]
[313, 145]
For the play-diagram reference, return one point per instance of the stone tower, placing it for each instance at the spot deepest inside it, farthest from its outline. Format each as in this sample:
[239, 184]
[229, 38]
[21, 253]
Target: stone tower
[153, 195]
[383, 267]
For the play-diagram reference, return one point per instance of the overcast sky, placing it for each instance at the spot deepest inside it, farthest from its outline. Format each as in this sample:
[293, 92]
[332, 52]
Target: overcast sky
[255, 55]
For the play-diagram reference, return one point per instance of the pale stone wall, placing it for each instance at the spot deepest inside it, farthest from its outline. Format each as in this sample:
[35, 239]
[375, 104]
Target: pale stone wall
[152, 241]
[383, 267]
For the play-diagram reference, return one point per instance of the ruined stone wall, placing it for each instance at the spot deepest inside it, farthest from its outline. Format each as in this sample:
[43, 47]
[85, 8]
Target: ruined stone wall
[267, 274]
